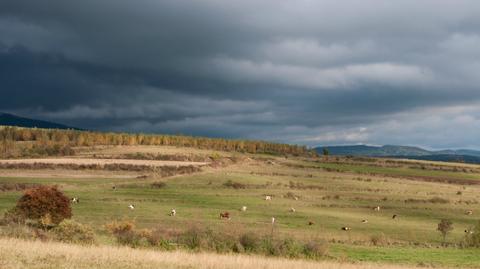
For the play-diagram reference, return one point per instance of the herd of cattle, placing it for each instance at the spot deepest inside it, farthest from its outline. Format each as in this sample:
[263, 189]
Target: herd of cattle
[226, 215]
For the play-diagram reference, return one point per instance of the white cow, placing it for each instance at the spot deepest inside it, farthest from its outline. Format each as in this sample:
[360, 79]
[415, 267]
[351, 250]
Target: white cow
[273, 220]
[244, 208]
[292, 210]
[268, 198]
[377, 208]
[132, 207]
[173, 212]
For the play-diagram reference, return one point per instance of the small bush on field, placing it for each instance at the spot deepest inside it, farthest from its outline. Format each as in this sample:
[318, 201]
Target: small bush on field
[285, 248]
[291, 195]
[235, 185]
[249, 241]
[12, 216]
[434, 200]
[439, 200]
[47, 150]
[45, 204]
[220, 242]
[124, 232]
[379, 240]
[156, 238]
[238, 248]
[267, 246]
[199, 238]
[158, 185]
[316, 249]
[193, 238]
[73, 232]
[472, 238]
[445, 226]
[17, 186]
[22, 232]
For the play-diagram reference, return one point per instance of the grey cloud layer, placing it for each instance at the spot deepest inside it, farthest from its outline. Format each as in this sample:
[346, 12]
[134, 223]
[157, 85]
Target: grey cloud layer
[308, 72]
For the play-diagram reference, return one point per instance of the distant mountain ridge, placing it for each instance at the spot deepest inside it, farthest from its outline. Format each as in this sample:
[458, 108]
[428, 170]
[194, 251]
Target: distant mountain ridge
[460, 155]
[13, 120]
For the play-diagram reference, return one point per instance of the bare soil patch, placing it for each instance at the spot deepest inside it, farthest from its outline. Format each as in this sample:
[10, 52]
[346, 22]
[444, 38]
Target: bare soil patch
[101, 162]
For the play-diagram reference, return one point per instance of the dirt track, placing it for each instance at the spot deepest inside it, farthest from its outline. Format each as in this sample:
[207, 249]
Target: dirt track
[80, 161]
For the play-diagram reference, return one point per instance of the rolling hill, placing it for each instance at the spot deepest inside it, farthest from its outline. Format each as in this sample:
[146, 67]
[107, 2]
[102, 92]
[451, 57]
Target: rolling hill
[460, 155]
[13, 120]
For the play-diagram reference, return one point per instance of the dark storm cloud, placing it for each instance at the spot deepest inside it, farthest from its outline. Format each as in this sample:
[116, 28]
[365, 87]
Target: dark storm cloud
[298, 71]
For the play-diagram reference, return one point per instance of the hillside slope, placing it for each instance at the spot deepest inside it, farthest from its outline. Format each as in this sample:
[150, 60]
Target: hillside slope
[13, 120]
[460, 155]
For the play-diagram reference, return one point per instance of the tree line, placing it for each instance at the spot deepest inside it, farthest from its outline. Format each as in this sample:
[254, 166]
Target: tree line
[14, 140]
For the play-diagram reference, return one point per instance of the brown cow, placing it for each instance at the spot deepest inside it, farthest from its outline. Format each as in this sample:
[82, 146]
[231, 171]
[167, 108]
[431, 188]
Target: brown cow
[225, 215]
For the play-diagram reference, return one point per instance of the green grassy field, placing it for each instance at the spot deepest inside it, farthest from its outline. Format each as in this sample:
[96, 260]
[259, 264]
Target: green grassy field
[341, 195]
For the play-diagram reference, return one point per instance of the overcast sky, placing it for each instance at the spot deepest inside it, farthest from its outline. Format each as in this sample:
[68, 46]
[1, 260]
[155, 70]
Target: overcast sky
[304, 71]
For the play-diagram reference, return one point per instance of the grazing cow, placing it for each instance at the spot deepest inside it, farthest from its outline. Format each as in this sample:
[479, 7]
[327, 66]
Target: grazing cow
[394, 216]
[225, 215]
[310, 223]
[377, 208]
[273, 220]
[292, 210]
[268, 198]
[364, 221]
[469, 212]
[173, 212]
[296, 198]
[468, 231]
[244, 208]
[132, 207]
[75, 200]
[114, 187]
[346, 228]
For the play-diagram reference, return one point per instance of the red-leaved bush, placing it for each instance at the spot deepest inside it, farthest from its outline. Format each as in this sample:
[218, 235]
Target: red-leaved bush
[44, 201]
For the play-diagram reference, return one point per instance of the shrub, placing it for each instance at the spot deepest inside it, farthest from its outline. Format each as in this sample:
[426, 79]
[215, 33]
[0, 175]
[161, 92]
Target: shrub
[235, 185]
[379, 239]
[249, 241]
[192, 238]
[158, 185]
[44, 202]
[473, 239]
[444, 227]
[12, 216]
[238, 248]
[287, 247]
[316, 249]
[439, 200]
[18, 231]
[156, 238]
[124, 232]
[218, 241]
[291, 195]
[267, 246]
[46, 222]
[17, 186]
[73, 232]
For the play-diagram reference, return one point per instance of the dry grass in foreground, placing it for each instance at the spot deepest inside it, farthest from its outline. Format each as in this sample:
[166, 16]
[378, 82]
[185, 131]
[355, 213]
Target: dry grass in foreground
[16, 253]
